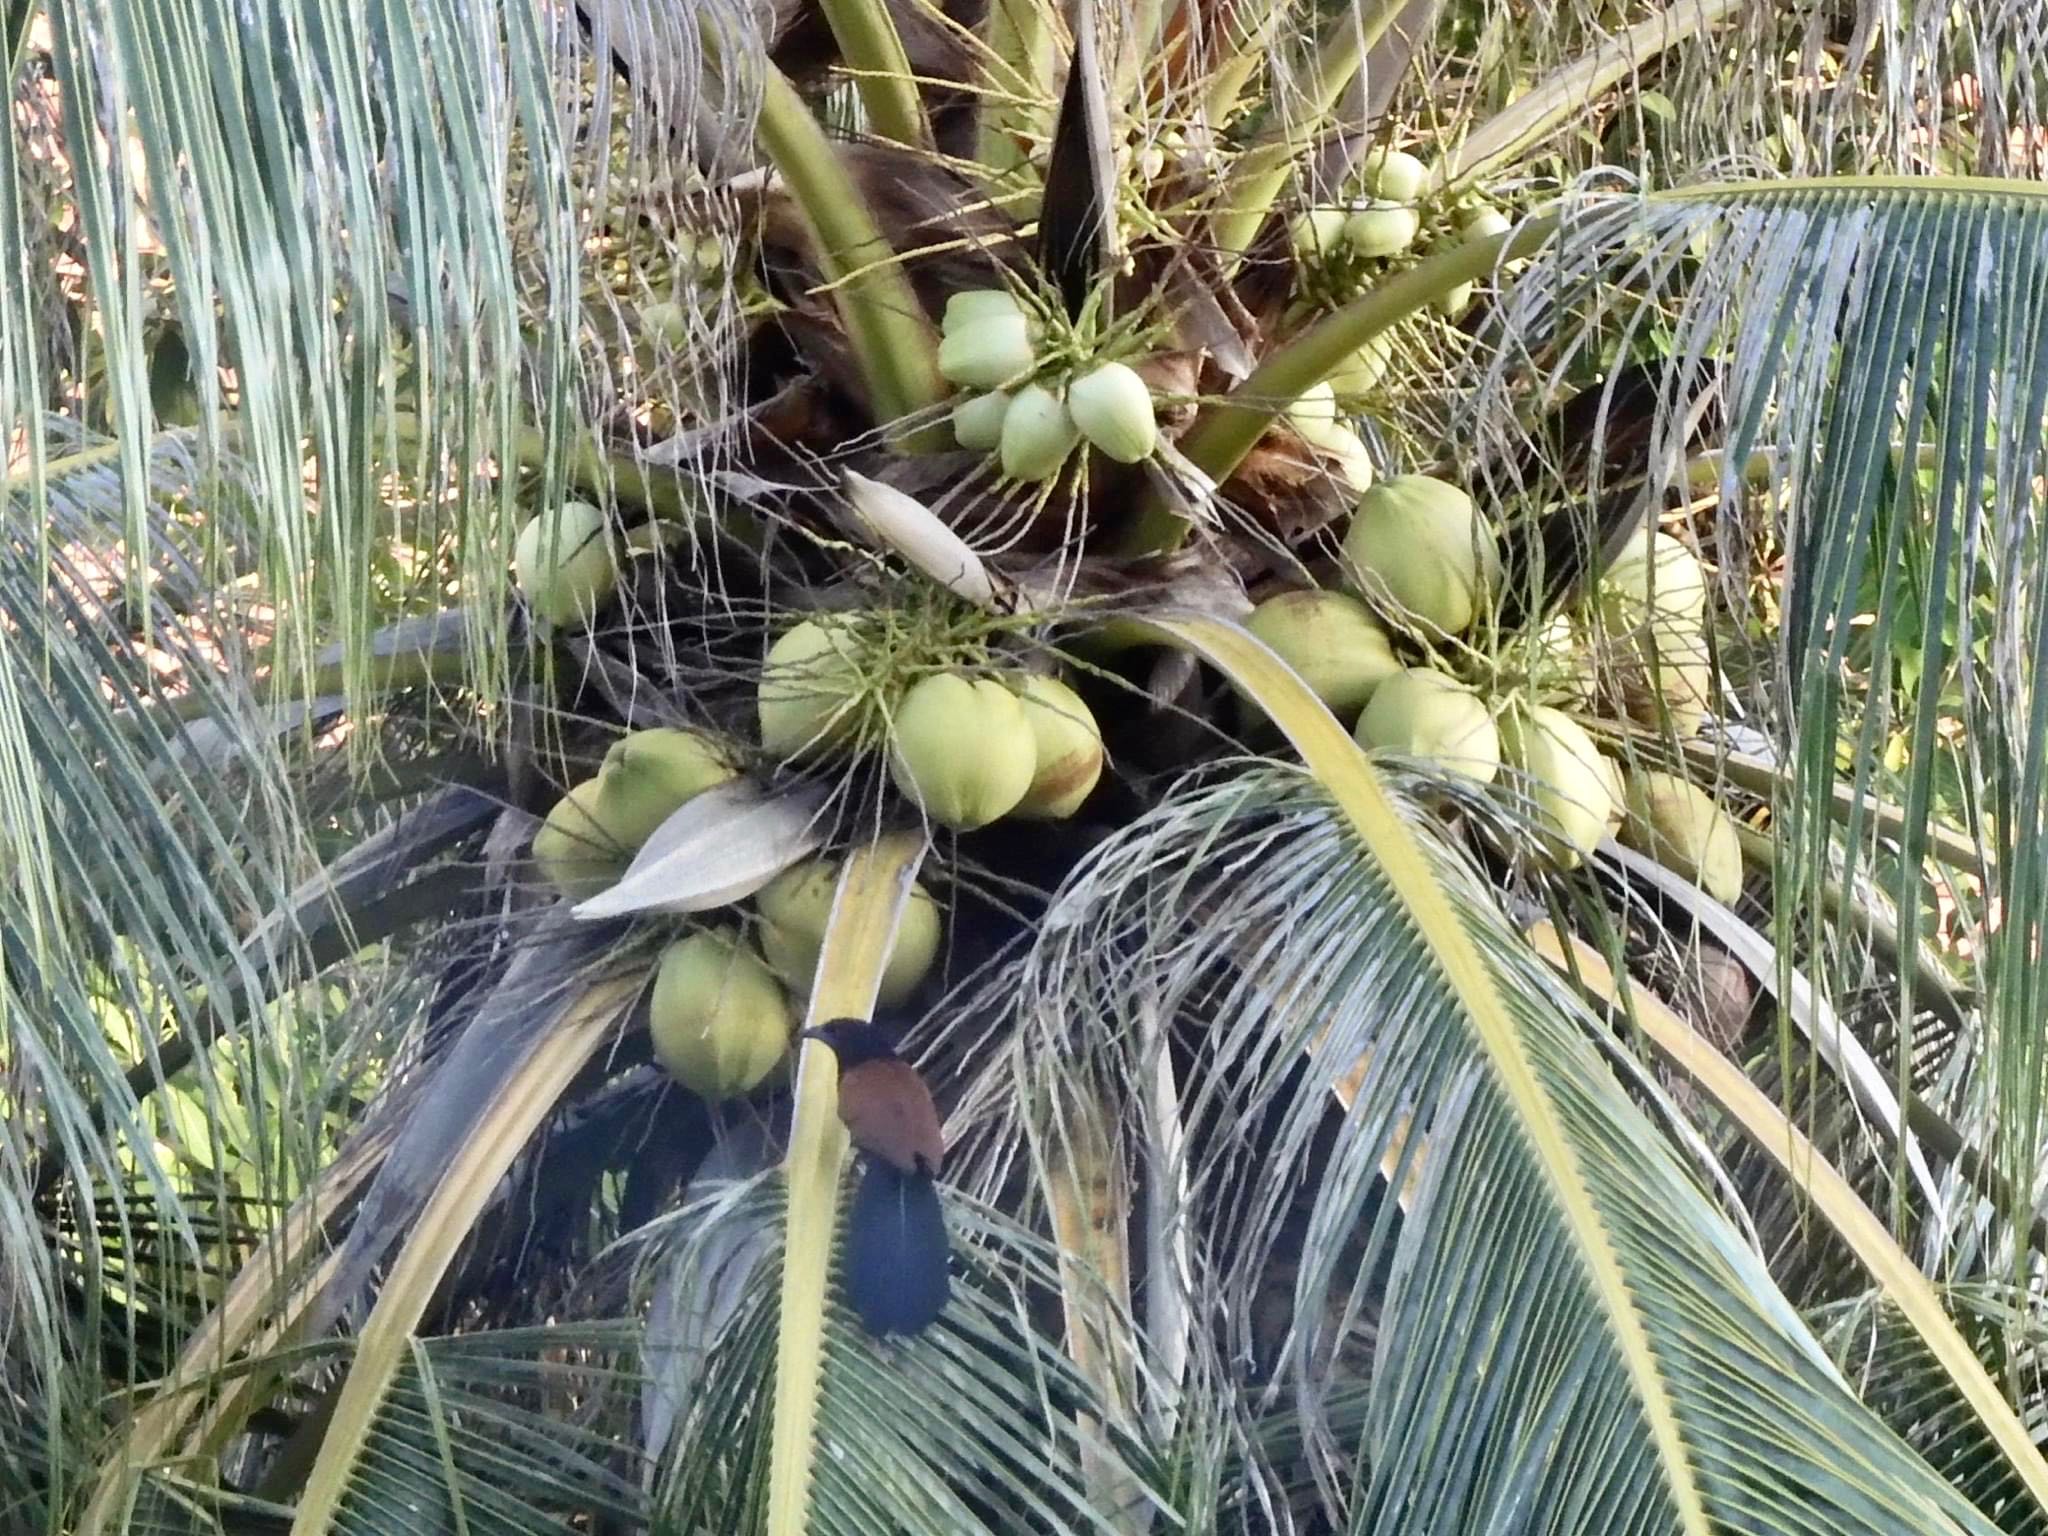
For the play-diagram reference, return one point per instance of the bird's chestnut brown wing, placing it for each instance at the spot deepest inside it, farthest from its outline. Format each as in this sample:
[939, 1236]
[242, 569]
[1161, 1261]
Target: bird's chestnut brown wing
[889, 1114]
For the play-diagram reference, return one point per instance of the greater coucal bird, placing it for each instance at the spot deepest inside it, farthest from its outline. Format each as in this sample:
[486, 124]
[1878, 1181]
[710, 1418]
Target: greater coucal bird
[896, 1248]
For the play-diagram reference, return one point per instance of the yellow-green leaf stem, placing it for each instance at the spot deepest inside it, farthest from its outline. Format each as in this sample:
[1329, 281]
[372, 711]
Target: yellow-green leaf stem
[1256, 179]
[874, 56]
[1342, 769]
[1022, 100]
[892, 340]
[1773, 1133]
[872, 892]
[525, 1099]
[1225, 432]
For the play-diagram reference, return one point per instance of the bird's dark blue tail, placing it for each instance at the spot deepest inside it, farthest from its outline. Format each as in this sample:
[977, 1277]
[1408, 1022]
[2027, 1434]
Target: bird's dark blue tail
[896, 1251]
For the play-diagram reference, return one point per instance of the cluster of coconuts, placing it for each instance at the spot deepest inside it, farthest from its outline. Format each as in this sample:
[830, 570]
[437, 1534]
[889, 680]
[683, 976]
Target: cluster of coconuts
[1421, 559]
[1338, 244]
[699, 263]
[721, 1012]
[967, 749]
[1032, 419]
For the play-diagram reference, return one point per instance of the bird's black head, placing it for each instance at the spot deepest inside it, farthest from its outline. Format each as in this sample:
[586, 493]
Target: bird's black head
[853, 1041]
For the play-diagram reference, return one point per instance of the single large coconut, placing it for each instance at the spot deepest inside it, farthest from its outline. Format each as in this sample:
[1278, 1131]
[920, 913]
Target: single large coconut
[812, 689]
[1422, 713]
[795, 908]
[962, 749]
[1666, 675]
[1393, 176]
[650, 775]
[1421, 546]
[719, 1019]
[573, 848]
[1113, 409]
[1038, 434]
[1678, 824]
[1654, 577]
[1563, 776]
[1381, 230]
[1069, 748]
[1332, 640]
[563, 563]
[988, 352]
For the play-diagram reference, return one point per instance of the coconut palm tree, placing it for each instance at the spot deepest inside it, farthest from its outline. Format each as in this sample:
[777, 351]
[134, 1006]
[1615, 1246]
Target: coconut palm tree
[1396, 644]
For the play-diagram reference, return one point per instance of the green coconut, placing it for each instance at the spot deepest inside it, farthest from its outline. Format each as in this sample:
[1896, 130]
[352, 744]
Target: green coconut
[972, 304]
[795, 908]
[1393, 176]
[978, 421]
[1068, 760]
[1038, 434]
[1353, 462]
[988, 352]
[1314, 412]
[1654, 577]
[1455, 301]
[1364, 368]
[1332, 641]
[1563, 777]
[812, 690]
[1678, 824]
[1666, 675]
[573, 848]
[563, 562]
[1422, 713]
[1112, 408]
[1615, 792]
[718, 1016]
[1316, 233]
[1421, 545]
[1384, 229]
[1484, 224]
[666, 322]
[962, 749]
[650, 775]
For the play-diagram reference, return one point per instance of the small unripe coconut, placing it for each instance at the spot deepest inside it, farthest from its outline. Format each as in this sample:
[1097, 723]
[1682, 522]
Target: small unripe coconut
[1332, 641]
[972, 304]
[811, 688]
[573, 848]
[962, 749]
[1484, 224]
[1313, 413]
[1383, 230]
[1068, 760]
[1456, 301]
[795, 908]
[1422, 713]
[1365, 368]
[718, 1017]
[987, 353]
[1678, 824]
[1038, 434]
[666, 322]
[1667, 675]
[1317, 233]
[650, 775]
[1564, 778]
[1654, 576]
[1393, 176]
[1353, 462]
[562, 561]
[1113, 409]
[978, 421]
[1422, 545]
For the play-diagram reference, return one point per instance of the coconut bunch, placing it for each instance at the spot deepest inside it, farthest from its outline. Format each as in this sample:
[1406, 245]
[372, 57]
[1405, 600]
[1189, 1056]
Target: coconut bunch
[1341, 247]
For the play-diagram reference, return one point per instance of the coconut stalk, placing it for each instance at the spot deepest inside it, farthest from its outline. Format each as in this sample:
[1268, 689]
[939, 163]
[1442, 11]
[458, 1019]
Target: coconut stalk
[1255, 180]
[892, 341]
[1021, 98]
